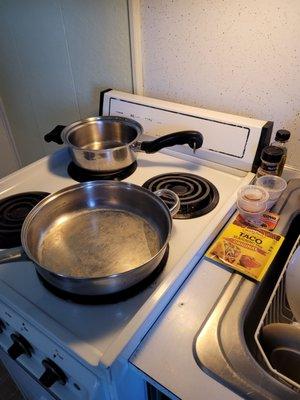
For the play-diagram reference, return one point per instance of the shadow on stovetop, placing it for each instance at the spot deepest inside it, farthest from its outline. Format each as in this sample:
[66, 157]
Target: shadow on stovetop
[59, 161]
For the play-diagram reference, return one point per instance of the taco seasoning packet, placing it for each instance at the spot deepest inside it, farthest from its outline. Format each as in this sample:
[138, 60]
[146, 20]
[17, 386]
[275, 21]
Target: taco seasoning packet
[247, 249]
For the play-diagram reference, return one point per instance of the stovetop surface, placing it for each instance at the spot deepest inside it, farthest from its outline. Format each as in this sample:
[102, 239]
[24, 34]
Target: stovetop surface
[102, 326]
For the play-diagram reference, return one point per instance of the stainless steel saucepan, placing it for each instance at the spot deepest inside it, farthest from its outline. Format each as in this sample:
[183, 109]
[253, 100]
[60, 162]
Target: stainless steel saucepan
[96, 238]
[107, 144]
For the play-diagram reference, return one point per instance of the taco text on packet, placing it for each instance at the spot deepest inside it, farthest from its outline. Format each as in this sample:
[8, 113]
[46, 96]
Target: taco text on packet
[247, 249]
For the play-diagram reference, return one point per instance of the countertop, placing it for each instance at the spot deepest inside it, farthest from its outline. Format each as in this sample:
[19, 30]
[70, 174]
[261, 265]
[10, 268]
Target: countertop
[166, 353]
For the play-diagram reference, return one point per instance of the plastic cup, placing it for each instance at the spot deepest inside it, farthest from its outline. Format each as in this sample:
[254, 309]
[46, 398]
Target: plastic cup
[253, 218]
[252, 198]
[274, 185]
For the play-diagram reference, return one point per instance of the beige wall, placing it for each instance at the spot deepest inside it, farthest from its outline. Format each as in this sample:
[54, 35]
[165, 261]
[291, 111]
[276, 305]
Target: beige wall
[55, 57]
[234, 56]
[9, 157]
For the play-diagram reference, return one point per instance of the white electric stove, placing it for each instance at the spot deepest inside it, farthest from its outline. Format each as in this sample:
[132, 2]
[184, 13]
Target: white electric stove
[92, 343]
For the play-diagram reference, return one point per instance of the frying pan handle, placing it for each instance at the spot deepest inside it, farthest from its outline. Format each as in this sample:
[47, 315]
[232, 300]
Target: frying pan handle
[169, 194]
[193, 138]
[55, 135]
[12, 255]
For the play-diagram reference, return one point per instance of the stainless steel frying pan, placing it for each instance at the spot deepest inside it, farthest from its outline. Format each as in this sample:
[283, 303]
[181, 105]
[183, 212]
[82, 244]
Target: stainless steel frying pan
[96, 238]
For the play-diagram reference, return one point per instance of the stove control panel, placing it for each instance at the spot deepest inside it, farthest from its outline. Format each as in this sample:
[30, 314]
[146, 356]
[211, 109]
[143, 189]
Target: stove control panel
[230, 140]
[44, 360]
[2, 326]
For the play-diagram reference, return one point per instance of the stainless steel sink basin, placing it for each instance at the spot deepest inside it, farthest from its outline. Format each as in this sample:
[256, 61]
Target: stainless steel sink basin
[224, 346]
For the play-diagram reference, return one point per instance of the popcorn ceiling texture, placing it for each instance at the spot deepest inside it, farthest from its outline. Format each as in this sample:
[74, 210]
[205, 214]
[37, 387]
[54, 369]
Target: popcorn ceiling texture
[241, 57]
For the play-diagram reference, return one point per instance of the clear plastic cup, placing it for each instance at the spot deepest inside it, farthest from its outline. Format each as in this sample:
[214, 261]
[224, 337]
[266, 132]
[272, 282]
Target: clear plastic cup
[252, 198]
[253, 218]
[275, 186]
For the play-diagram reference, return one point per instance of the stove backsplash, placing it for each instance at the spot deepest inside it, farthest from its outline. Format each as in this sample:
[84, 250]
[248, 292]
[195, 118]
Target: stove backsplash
[229, 139]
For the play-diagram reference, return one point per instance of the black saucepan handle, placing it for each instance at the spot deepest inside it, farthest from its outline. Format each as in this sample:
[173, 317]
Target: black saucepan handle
[193, 138]
[55, 135]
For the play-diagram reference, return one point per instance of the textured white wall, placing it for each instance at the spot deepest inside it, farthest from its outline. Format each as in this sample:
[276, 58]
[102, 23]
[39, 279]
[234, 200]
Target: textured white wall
[55, 58]
[235, 56]
[9, 158]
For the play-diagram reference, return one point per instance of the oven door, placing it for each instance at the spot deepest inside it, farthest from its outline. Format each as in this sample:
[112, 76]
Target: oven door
[28, 386]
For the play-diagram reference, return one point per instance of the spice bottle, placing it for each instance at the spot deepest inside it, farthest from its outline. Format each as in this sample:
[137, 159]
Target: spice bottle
[281, 138]
[270, 159]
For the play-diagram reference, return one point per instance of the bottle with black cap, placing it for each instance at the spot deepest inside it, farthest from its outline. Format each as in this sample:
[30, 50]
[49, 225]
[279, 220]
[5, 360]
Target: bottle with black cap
[270, 159]
[281, 138]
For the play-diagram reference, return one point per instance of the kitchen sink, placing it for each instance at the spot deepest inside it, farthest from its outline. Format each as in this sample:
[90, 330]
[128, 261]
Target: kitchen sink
[225, 346]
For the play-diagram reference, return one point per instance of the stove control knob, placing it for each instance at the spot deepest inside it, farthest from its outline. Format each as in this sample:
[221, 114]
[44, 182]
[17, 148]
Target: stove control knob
[53, 373]
[20, 346]
[2, 326]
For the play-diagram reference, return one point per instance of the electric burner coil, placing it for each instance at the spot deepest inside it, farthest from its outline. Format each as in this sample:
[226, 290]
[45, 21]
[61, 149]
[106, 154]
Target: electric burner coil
[13, 211]
[197, 195]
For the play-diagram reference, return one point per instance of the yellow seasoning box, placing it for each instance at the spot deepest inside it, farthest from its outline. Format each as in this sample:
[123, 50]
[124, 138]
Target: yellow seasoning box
[247, 249]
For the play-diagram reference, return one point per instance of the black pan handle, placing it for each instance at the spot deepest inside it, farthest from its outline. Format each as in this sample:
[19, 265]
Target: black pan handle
[55, 135]
[193, 138]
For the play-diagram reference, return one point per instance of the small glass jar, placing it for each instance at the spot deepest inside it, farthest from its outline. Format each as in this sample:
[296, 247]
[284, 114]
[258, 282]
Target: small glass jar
[270, 160]
[281, 139]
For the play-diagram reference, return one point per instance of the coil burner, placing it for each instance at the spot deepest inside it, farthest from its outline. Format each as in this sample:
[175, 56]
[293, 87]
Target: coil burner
[13, 211]
[197, 195]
